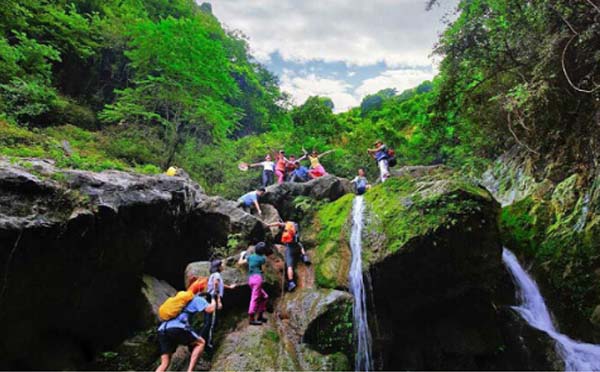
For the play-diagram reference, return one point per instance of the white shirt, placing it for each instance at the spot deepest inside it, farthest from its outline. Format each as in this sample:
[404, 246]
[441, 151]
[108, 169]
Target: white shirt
[268, 165]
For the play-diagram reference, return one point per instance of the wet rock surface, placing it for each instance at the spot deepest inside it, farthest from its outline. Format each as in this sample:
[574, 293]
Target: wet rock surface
[327, 187]
[88, 238]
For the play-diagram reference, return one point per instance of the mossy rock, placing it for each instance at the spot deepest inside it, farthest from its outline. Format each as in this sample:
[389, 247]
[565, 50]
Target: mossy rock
[332, 257]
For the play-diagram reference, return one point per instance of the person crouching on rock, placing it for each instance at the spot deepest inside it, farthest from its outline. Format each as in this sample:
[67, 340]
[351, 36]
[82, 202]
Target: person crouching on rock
[178, 331]
[360, 182]
[246, 201]
[215, 289]
[258, 296]
[291, 239]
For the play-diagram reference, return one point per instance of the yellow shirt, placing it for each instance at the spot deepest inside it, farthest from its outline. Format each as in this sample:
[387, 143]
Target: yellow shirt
[314, 161]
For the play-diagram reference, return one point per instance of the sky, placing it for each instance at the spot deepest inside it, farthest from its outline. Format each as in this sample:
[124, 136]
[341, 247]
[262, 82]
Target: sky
[342, 49]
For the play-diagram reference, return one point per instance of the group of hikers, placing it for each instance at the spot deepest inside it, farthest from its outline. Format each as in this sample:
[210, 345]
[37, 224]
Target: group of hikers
[206, 295]
[289, 169]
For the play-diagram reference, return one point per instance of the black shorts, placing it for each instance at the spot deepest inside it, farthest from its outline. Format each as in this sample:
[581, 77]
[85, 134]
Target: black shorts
[169, 340]
[291, 253]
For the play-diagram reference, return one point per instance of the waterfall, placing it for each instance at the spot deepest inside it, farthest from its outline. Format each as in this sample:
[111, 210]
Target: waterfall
[362, 335]
[576, 355]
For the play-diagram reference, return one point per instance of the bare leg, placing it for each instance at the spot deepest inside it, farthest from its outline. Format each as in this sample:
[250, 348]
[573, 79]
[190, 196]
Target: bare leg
[290, 273]
[198, 349]
[165, 359]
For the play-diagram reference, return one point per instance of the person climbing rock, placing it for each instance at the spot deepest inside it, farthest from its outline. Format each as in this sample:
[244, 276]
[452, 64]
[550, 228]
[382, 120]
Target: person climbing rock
[258, 296]
[280, 166]
[178, 331]
[316, 169]
[291, 239]
[300, 173]
[247, 200]
[268, 170]
[361, 184]
[216, 288]
[380, 154]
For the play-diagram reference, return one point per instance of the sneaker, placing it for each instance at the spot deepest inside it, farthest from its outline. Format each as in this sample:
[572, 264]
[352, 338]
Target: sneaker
[262, 319]
[291, 286]
[255, 322]
[306, 260]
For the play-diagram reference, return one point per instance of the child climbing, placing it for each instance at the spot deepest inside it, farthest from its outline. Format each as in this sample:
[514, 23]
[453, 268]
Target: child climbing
[291, 239]
[361, 184]
[178, 331]
[380, 154]
[246, 201]
[280, 166]
[268, 170]
[216, 288]
[316, 169]
[258, 296]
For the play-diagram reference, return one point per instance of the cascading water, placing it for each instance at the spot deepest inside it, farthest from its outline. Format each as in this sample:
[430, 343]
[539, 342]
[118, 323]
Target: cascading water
[577, 356]
[362, 335]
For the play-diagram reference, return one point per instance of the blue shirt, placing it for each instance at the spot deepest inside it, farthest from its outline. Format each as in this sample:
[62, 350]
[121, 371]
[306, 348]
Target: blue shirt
[360, 182]
[249, 198]
[302, 171]
[382, 153]
[211, 284]
[196, 305]
[255, 262]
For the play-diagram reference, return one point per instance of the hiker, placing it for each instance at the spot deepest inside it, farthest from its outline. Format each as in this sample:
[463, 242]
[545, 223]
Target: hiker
[361, 184]
[247, 200]
[316, 169]
[300, 173]
[291, 239]
[215, 289]
[280, 166]
[178, 331]
[380, 154]
[268, 170]
[290, 167]
[258, 297]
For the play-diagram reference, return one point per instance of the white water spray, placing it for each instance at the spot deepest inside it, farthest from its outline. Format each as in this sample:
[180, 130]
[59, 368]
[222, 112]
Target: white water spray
[576, 355]
[362, 334]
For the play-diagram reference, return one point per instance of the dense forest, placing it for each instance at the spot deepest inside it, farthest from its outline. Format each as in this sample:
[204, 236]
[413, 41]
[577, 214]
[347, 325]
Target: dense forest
[143, 85]
[149, 84]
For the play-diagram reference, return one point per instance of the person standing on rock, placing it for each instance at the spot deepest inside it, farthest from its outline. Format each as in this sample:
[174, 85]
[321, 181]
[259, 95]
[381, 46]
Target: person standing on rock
[316, 169]
[268, 170]
[247, 200]
[216, 290]
[291, 239]
[258, 296]
[360, 182]
[380, 154]
[280, 166]
[178, 331]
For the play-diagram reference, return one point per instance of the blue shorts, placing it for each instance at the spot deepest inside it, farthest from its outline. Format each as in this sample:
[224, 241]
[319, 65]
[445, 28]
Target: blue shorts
[291, 252]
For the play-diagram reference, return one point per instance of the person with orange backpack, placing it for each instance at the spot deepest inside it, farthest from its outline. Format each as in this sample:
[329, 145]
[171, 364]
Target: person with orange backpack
[291, 239]
[176, 329]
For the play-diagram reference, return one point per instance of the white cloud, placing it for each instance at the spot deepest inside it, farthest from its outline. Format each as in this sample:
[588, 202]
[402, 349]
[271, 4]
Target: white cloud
[399, 79]
[302, 87]
[398, 32]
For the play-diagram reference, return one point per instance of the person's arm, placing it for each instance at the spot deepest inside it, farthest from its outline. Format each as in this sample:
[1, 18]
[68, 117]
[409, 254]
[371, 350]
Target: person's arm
[218, 296]
[211, 307]
[243, 258]
[273, 224]
[230, 286]
[303, 156]
[325, 153]
[253, 165]
[257, 207]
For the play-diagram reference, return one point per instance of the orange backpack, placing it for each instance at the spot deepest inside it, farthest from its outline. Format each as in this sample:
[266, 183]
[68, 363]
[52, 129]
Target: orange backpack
[289, 232]
[199, 285]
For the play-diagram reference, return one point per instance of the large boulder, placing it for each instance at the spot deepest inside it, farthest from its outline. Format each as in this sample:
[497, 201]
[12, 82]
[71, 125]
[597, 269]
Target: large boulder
[432, 252]
[89, 238]
[282, 196]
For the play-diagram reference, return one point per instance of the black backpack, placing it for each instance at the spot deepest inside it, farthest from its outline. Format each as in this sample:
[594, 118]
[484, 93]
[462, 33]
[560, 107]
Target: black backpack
[391, 158]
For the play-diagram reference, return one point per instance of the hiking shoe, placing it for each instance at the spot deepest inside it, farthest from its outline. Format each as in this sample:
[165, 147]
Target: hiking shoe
[255, 322]
[262, 319]
[291, 286]
[306, 260]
